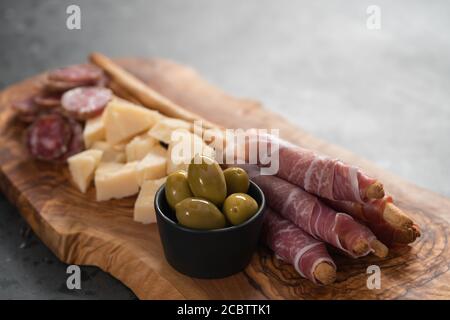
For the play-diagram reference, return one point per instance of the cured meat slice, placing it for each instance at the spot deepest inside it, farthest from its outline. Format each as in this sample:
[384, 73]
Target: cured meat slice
[308, 255]
[26, 109]
[85, 102]
[62, 86]
[48, 136]
[76, 143]
[390, 224]
[48, 100]
[326, 177]
[313, 216]
[80, 73]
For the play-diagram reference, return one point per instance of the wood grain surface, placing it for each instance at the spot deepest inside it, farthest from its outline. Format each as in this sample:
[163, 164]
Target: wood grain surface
[80, 230]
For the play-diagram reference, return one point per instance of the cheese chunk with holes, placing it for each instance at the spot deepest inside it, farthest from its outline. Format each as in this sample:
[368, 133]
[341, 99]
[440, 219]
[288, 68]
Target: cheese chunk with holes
[183, 147]
[138, 148]
[124, 120]
[153, 165]
[94, 130]
[82, 167]
[115, 180]
[163, 129]
[144, 208]
[110, 153]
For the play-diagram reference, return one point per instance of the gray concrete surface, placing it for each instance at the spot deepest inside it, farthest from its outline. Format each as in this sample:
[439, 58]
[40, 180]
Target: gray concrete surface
[383, 94]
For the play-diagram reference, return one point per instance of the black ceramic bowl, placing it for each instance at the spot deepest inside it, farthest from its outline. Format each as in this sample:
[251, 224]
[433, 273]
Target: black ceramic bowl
[208, 253]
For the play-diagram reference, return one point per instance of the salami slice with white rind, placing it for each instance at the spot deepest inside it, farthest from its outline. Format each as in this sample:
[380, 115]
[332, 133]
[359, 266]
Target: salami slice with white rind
[62, 86]
[85, 102]
[48, 100]
[76, 144]
[76, 73]
[27, 110]
[48, 137]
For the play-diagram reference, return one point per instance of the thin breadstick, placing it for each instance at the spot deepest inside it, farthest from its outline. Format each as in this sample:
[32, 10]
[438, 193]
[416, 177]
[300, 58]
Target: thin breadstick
[375, 191]
[325, 273]
[398, 227]
[360, 246]
[396, 217]
[121, 92]
[379, 249]
[142, 92]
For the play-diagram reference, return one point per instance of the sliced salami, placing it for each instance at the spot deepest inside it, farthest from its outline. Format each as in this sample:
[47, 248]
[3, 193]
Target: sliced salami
[48, 100]
[85, 102]
[76, 144]
[48, 137]
[27, 110]
[62, 86]
[76, 73]
[103, 81]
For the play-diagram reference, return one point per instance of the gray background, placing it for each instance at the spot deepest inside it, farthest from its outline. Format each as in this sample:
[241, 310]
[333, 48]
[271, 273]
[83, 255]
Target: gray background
[383, 94]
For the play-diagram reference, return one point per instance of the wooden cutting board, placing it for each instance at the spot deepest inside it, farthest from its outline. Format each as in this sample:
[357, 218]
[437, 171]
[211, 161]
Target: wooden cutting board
[81, 231]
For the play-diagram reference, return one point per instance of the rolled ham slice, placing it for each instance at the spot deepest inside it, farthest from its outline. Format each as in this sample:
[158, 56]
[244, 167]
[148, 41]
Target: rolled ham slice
[323, 176]
[310, 214]
[308, 255]
[388, 222]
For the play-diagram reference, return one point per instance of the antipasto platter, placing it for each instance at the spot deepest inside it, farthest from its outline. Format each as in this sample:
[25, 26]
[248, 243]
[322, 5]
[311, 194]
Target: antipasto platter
[84, 150]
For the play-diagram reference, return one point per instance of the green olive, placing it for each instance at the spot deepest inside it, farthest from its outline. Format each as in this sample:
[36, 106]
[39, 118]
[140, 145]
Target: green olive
[239, 207]
[197, 213]
[237, 180]
[177, 188]
[206, 179]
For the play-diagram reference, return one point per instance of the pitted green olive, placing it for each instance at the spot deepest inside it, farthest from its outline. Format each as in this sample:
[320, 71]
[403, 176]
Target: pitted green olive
[197, 213]
[206, 179]
[177, 188]
[239, 207]
[237, 180]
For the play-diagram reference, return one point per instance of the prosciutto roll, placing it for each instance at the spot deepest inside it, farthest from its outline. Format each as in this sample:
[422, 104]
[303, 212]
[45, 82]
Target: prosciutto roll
[323, 176]
[313, 216]
[390, 224]
[308, 255]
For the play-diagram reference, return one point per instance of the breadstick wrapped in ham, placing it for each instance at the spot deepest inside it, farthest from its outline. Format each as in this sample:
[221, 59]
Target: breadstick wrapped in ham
[388, 222]
[308, 255]
[313, 216]
[323, 176]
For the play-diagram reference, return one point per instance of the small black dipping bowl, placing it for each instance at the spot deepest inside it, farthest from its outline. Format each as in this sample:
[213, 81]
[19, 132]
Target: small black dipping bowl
[208, 253]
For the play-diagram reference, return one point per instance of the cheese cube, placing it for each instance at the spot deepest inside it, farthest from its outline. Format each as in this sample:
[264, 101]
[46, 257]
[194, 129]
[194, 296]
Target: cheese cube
[115, 180]
[124, 120]
[82, 167]
[144, 209]
[138, 148]
[94, 130]
[153, 166]
[184, 146]
[163, 129]
[110, 153]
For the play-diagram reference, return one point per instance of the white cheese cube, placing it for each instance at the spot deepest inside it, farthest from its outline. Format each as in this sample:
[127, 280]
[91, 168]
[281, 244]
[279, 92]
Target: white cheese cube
[144, 209]
[163, 129]
[139, 146]
[115, 180]
[184, 146]
[153, 165]
[82, 167]
[110, 153]
[124, 120]
[94, 130]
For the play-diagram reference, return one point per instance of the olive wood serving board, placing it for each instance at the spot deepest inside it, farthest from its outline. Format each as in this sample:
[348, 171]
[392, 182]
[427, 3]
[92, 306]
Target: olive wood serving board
[81, 231]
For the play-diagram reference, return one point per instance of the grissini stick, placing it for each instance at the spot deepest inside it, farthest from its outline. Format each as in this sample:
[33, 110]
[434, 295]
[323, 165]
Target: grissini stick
[308, 255]
[389, 223]
[318, 174]
[309, 213]
[142, 92]
[122, 93]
